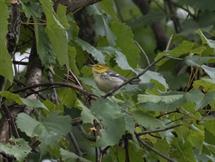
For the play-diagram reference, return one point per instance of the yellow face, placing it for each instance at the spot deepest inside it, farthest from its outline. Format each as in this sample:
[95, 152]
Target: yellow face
[99, 68]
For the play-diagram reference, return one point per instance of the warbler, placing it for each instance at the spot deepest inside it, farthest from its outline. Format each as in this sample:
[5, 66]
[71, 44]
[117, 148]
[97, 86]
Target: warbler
[105, 78]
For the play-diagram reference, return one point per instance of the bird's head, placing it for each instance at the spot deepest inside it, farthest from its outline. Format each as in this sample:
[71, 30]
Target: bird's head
[99, 68]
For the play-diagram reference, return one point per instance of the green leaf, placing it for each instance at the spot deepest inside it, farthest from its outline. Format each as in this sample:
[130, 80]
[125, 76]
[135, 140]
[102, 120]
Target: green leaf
[67, 97]
[33, 103]
[205, 83]
[101, 24]
[31, 9]
[70, 156]
[156, 99]
[202, 5]
[86, 114]
[11, 96]
[128, 47]
[109, 113]
[195, 96]
[49, 130]
[161, 103]
[151, 75]
[27, 124]
[205, 40]
[108, 6]
[175, 84]
[97, 54]
[197, 60]
[183, 151]
[209, 99]
[61, 13]
[210, 71]
[120, 58]
[149, 122]
[44, 47]
[57, 124]
[5, 59]
[72, 60]
[182, 49]
[28, 102]
[56, 33]
[210, 126]
[17, 148]
[196, 138]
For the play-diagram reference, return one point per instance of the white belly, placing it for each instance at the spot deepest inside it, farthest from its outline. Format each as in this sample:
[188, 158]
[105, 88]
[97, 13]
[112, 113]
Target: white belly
[108, 84]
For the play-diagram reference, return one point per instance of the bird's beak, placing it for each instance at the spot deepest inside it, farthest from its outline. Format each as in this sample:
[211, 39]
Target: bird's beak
[91, 65]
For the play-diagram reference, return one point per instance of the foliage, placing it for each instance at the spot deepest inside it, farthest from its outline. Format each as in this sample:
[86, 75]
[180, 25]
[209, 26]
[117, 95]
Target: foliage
[169, 115]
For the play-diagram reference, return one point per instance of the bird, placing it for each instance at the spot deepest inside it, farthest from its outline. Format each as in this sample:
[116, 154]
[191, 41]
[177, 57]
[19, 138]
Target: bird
[105, 78]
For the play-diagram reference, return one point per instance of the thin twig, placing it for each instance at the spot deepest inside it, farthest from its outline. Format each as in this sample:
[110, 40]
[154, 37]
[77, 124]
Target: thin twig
[178, 119]
[158, 130]
[174, 58]
[127, 159]
[75, 78]
[75, 144]
[144, 53]
[154, 150]
[32, 23]
[111, 92]
[167, 113]
[169, 43]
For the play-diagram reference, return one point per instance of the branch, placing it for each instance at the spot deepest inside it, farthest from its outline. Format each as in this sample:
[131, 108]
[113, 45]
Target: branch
[19, 83]
[111, 92]
[158, 130]
[20, 62]
[154, 150]
[62, 84]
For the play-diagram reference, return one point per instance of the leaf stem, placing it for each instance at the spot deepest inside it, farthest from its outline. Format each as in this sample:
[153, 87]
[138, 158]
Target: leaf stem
[144, 53]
